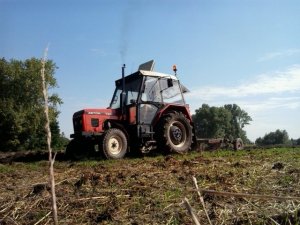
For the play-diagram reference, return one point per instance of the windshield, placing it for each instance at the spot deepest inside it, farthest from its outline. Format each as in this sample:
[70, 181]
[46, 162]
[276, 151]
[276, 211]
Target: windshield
[160, 89]
[132, 87]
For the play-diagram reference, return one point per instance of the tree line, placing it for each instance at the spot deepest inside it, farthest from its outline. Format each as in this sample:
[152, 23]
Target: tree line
[227, 121]
[278, 137]
[22, 119]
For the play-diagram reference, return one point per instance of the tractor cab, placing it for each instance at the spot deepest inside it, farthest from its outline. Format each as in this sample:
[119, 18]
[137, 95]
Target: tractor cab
[143, 97]
[148, 87]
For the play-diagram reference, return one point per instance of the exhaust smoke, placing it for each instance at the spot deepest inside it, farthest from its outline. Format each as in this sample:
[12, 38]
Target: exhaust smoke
[126, 28]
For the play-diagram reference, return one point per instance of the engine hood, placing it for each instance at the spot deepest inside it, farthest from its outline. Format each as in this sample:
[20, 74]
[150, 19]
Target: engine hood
[98, 111]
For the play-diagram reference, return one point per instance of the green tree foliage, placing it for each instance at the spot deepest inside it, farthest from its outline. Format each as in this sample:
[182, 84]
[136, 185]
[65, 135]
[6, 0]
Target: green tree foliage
[21, 104]
[295, 141]
[274, 138]
[227, 121]
[239, 119]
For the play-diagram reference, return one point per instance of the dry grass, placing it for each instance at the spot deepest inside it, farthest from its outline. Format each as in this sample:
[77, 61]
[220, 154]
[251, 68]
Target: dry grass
[151, 190]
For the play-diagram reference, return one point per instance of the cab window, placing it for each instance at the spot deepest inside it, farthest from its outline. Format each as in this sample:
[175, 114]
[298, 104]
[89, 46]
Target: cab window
[152, 90]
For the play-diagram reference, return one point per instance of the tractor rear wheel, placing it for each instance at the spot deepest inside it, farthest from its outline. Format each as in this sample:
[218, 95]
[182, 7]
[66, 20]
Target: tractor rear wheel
[114, 144]
[174, 133]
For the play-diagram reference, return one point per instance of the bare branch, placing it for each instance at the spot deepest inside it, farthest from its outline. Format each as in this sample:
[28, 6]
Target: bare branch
[191, 211]
[38, 222]
[201, 199]
[243, 195]
[47, 128]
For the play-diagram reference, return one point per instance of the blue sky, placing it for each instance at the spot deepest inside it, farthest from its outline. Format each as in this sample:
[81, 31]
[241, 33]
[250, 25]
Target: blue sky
[227, 51]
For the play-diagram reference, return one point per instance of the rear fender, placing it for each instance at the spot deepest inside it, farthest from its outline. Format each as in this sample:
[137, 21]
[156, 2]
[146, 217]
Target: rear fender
[173, 108]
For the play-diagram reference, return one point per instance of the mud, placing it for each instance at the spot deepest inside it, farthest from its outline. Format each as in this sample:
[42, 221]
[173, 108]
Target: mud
[150, 190]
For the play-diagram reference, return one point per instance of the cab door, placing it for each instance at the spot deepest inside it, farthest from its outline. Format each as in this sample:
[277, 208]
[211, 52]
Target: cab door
[149, 104]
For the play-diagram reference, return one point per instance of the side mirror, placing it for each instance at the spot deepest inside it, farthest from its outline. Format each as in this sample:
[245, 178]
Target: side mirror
[170, 83]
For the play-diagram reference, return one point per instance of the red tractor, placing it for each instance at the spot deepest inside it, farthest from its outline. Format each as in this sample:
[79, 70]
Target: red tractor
[147, 111]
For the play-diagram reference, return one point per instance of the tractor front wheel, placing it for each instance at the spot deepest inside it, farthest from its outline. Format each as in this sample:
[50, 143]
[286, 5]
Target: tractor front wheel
[114, 144]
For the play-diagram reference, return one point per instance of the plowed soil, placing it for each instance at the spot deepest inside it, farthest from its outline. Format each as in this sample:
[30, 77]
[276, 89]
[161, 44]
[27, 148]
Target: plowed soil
[150, 190]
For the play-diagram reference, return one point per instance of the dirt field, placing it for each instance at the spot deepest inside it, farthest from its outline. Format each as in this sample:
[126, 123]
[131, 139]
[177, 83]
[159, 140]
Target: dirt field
[151, 190]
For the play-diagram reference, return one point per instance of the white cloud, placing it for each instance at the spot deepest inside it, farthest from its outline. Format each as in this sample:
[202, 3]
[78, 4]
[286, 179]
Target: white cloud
[270, 104]
[271, 83]
[272, 114]
[282, 54]
[271, 99]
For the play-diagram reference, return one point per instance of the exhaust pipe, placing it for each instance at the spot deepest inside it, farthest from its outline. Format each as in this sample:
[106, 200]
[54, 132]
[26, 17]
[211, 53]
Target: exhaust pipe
[123, 94]
[123, 77]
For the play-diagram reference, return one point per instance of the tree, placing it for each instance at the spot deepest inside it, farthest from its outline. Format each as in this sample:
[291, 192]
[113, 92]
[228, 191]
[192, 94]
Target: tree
[21, 104]
[211, 121]
[274, 138]
[59, 140]
[239, 119]
[227, 121]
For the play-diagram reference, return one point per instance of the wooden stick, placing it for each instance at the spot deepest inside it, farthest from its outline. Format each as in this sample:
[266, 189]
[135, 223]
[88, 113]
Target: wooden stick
[191, 211]
[93, 198]
[242, 195]
[201, 199]
[101, 197]
[47, 128]
[43, 218]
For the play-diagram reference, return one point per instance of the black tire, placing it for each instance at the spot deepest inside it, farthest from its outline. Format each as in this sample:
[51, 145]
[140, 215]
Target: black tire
[174, 133]
[114, 144]
[238, 144]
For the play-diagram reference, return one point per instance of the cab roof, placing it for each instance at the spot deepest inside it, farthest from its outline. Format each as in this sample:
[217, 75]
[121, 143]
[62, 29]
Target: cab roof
[151, 74]
[147, 73]
[157, 74]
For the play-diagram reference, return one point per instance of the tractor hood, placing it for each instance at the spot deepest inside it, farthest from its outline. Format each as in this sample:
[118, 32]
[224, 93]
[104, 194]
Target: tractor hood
[98, 111]
[92, 120]
[103, 112]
